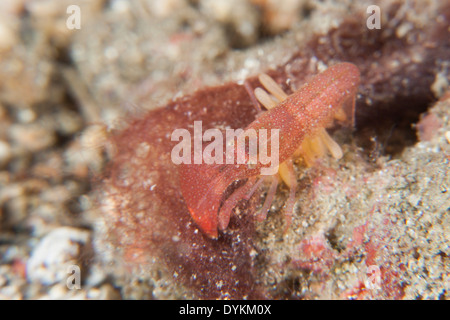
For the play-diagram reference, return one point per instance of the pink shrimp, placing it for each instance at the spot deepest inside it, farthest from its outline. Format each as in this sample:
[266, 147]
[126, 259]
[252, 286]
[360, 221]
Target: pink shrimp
[300, 118]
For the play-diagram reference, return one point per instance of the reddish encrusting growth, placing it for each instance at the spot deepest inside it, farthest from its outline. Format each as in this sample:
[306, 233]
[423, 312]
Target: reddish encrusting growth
[146, 214]
[302, 114]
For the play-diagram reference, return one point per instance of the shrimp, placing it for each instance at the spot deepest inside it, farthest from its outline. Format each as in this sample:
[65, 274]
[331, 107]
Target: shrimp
[300, 120]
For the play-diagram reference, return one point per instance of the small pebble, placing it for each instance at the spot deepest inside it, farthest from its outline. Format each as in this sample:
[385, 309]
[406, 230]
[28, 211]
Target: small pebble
[54, 253]
[32, 137]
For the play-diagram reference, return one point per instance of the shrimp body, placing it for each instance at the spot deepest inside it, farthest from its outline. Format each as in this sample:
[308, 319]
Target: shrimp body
[302, 114]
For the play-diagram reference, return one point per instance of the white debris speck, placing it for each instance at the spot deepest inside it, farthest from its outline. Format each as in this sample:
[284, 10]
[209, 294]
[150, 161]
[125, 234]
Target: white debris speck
[447, 136]
[5, 153]
[440, 84]
[142, 150]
